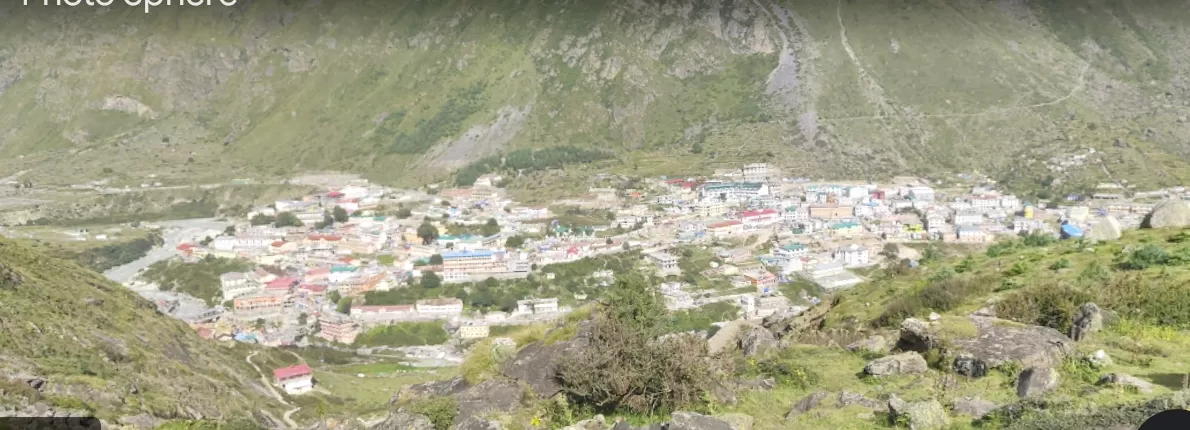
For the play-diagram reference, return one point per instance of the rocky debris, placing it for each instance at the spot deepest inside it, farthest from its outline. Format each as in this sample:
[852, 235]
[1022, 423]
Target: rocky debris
[10, 279]
[1108, 228]
[757, 384]
[1169, 213]
[904, 363]
[487, 397]
[476, 423]
[806, 404]
[916, 335]
[143, 421]
[973, 406]
[1126, 380]
[968, 365]
[1099, 359]
[693, 421]
[847, 398]
[1088, 319]
[536, 364]
[786, 323]
[597, 422]
[404, 421]
[874, 343]
[1036, 381]
[754, 341]
[919, 415]
[446, 388]
[1002, 341]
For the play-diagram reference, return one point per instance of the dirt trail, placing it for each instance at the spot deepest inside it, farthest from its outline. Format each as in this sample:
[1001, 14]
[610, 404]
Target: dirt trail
[268, 385]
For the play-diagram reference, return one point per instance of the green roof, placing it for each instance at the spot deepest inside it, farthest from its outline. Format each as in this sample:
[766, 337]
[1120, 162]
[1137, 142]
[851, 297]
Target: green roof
[794, 247]
[341, 269]
[846, 224]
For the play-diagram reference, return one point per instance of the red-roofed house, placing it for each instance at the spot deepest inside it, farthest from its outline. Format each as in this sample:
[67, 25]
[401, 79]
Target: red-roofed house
[334, 194]
[186, 249]
[281, 284]
[295, 379]
[725, 228]
[206, 333]
[756, 219]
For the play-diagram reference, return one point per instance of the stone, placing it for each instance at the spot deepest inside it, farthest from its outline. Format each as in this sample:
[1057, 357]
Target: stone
[904, 363]
[1088, 319]
[1107, 229]
[874, 343]
[1169, 213]
[9, 278]
[973, 406]
[1126, 380]
[754, 341]
[1036, 381]
[536, 364]
[1000, 342]
[918, 415]
[445, 388]
[968, 365]
[476, 423]
[405, 421]
[597, 422]
[917, 336]
[694, 421]
[806, 404]
[495, 396]
[1099, 359]
[737, 421]
[847, 398]
[935, 317]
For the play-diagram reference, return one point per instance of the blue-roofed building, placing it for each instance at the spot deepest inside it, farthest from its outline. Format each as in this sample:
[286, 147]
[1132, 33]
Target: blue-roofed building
[1071, 231]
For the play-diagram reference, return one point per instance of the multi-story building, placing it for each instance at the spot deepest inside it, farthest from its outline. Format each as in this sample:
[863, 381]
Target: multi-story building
[725, 228]
[473, 331]
[792, 250]
[384, 313]
[261, 303]
[763, 281]
[338, 329]
[852, 255]
[439, 307]
[829, 211]
[761, 218]
[968, 217]
[664, 261]
[295, 379]
[845, 229]
[473, 262]
[732, 191]
[537, 306]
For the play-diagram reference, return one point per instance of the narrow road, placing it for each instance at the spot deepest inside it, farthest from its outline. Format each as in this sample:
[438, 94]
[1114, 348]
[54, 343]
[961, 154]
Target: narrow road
[268, 385]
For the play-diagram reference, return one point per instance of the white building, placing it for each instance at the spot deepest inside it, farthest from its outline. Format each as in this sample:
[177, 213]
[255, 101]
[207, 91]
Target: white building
[852, 255]
[295, 379]
[921, 193]
[439, 307]
[968, 218]
[224, 243]
[664, 261]
[537, 306]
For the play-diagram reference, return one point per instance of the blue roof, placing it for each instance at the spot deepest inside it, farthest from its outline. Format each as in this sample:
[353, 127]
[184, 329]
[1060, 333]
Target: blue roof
[461, 254]
[1071, 230]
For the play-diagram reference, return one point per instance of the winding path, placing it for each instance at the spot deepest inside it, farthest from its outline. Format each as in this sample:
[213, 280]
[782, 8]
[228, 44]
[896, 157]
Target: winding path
[268, 385]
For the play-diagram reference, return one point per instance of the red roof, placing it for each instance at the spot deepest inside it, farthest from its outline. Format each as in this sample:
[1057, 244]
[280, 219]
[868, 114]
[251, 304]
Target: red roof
[185, 247]
[291, 371]
[313, 288]
[206, 333]
[751, 214]
[334, 194]
[278, 243]
[724, 224]
[281, 283]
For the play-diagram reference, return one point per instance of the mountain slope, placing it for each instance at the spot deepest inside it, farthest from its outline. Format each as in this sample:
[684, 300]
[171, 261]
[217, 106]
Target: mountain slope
[98, 347]
[408, 91]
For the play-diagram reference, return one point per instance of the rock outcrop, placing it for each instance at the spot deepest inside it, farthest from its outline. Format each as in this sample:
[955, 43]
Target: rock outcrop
[916, 335]
[693, 421]
[1000, 342]
[1169, 213]
[404, 421]
[806, 404]
[1107, 229]
[1088, 319]
[904, 363]
[1036, 381]
[536, 364]
[874, 343]
[487, 397]
[754, 341]
[1126, 380]
[967, 365]
[847, 398]
[925, 415]
[973, 406]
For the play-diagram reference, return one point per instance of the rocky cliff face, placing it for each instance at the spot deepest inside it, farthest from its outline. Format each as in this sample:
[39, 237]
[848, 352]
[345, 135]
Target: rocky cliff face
[407, 91]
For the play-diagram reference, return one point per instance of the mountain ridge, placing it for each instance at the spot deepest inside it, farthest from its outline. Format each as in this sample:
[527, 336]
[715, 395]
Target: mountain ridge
[408, 92]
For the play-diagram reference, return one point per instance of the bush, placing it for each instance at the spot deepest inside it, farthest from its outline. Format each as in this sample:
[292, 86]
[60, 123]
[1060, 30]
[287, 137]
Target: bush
[404, 334]
[939, 295]
[1060, 264]
[1145, 257]
[1051, 305]
[626, 367]
[440, 410]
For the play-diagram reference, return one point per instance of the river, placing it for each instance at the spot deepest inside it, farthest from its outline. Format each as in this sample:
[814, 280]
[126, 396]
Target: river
[176, 233]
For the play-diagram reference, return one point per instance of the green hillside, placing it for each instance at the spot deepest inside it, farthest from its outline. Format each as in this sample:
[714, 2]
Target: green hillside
[409, 91]
[100, 348]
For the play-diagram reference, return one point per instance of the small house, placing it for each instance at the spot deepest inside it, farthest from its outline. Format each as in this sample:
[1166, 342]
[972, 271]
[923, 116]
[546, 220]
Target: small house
[296, 379]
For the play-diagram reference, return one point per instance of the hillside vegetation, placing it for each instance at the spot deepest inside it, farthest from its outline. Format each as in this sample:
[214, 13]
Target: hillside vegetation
[410, 91]
[74, 341]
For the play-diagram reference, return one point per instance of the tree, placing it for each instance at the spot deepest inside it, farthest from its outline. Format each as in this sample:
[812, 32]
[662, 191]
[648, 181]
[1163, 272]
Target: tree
[231, 230]
[303, 318]
[514, 242]
[609, 241]
[430, 280]
[491, 227]
[206, 241]
[427, 232]
[327, 221]
[404, 213]
[334, 296]
[696, 148]
[259, 219]
[286, 219]
[344, 305]
[890, 251]
[340, 214]
[436, 259]
[258, 324]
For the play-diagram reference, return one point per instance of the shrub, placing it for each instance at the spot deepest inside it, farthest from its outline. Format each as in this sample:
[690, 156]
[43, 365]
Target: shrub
[1051, 305]
[440, 410]
[1060, 264]
[939, 295]
[1145, 257]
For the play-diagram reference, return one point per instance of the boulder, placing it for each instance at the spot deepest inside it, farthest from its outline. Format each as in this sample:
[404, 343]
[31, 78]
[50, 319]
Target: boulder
[916, 335]
[1169, 213]
[935, 317]
[727, 336]
[737, 421]
[1002, 341]
[1036, 381]
[919, 415]
[973, 406]
[1126, 380]
[755, 341]
[967, 365]
[847, 398]
[806, 404]
[1088, 319]
[874, 343]
[489, 396]
[693, 421]
[444, 388]
[404, 421]
[1099, 359]
[597, 422]
[904, 363]
[476, 423]
[1108, 228]
[536, 364]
